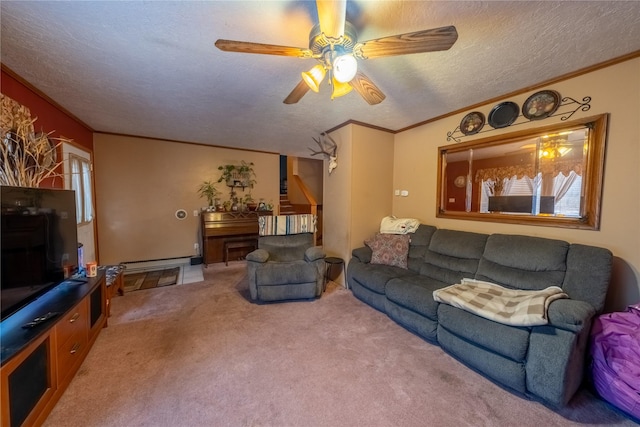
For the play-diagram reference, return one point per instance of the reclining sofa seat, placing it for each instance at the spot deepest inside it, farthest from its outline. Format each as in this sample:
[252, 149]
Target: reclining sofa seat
[286, 267]
[544, 362]
[368, 281]
[451, 256]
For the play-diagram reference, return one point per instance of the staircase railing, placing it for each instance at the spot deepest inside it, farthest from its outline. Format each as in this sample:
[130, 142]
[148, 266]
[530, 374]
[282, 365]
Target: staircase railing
[311, 207]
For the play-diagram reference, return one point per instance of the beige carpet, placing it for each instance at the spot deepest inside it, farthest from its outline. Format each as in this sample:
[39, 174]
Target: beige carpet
[203, 355]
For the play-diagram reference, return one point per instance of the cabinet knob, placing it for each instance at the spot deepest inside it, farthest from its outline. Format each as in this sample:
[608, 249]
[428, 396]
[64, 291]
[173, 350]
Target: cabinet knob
[75, 348]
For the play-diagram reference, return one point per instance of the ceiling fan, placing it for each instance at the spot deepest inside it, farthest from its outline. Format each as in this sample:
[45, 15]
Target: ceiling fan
[333, 42]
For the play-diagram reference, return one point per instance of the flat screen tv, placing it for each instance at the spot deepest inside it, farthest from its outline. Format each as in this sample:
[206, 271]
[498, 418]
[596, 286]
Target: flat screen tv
[38, 242]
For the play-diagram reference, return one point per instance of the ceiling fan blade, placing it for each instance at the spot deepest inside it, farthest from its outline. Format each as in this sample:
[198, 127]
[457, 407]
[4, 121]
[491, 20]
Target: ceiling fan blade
[332, 16]
[365, 87]
[417, 42]
[297, 93]
[267, 49]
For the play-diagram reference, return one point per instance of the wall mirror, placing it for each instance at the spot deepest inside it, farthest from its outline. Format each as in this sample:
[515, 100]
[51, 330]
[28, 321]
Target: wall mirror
[549, 176]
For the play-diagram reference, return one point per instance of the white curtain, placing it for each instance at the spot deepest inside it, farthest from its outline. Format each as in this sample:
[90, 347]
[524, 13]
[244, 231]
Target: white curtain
[562, 184]
[86, 186]
[81, 183]
[76, 185]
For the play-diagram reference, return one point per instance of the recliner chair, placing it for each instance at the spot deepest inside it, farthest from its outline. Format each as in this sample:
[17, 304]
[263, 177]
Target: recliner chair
[285, 267]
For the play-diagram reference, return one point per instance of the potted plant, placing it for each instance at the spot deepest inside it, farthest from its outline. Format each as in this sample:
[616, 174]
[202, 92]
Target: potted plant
[207, 190]
[247, 173]
[241, 175]
[249, 202]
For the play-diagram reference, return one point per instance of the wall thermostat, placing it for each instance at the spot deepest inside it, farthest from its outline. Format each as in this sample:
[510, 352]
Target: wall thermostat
[181, 214]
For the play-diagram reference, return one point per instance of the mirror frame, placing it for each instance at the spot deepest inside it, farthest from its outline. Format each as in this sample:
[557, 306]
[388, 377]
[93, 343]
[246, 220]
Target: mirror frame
[592, 177]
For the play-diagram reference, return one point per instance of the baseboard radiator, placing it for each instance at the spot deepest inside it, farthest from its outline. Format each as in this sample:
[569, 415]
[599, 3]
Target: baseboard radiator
[156, 264]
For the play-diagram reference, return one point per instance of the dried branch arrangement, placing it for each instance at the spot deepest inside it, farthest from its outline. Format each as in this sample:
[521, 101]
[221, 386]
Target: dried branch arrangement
[26, 157]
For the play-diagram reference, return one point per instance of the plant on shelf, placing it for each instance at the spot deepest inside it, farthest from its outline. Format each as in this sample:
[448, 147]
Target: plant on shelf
[249, 202]
[207, 190]
[241, 175]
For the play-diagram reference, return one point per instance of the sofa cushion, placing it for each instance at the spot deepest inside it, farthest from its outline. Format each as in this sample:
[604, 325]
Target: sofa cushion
[453, 255]
[413, 321]
[418, 246]
[375, 276]
[506, 372]
[523, 262]
[509, 341]
[286, 248]
[389, 249]
[415, 293]
[279, 273]
[588, 274]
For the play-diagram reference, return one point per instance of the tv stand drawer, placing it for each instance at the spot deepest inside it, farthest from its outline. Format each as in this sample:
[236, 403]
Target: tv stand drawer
[73, 323]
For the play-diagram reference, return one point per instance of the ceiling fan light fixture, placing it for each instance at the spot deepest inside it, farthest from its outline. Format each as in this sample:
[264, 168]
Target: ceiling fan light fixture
[344, 68]
[340, 89]
[314, 77]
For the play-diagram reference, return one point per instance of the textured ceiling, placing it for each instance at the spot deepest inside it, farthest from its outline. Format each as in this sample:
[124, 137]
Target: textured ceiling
[151, 69]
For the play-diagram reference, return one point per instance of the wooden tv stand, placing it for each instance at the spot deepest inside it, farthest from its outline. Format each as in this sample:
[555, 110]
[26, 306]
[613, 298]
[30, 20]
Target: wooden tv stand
[38, 363]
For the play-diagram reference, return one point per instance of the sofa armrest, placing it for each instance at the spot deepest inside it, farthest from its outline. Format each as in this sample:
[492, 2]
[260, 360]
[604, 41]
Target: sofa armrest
[363, 254]
[313, 254]
[570, 315]
[259, 255]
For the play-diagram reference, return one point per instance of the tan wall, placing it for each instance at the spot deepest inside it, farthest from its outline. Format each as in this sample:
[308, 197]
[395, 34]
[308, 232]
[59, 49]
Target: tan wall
[140, 183]
[357, 193]
[614, 90]
[372, 182]
[336, 208]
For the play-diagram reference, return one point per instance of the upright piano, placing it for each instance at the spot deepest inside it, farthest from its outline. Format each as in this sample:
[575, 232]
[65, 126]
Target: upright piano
[219, 228]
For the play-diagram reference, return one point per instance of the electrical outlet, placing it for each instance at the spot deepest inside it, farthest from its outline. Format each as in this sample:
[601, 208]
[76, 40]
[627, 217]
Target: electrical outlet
[196, 247]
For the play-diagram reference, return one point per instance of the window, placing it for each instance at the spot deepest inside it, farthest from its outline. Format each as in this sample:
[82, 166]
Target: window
[81, 183]
[549, 175]
[566, 193]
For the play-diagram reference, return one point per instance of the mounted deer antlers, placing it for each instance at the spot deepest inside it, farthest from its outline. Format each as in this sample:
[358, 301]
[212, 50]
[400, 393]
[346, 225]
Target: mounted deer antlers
[329, 148]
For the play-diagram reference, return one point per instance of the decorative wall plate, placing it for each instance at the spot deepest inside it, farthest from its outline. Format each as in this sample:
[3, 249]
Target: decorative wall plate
[503, 114]
[541, 105]
[460, 181]
[472, 123]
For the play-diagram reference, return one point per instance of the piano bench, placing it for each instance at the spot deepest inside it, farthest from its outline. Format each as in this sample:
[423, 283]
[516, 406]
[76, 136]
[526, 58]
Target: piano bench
[240, 244]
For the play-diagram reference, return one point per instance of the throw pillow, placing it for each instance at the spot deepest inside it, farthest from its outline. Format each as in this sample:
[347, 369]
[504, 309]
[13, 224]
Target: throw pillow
[389, 249]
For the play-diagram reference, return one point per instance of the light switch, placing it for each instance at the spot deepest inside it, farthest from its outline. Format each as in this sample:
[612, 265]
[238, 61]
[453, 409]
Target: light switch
[195, 212]
[396, 192]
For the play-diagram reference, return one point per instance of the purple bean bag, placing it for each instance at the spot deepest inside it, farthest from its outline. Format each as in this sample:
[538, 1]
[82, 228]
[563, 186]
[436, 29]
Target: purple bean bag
[615, 348]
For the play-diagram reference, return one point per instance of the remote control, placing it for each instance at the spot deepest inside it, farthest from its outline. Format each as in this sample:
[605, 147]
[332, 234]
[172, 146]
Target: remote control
[41, 319]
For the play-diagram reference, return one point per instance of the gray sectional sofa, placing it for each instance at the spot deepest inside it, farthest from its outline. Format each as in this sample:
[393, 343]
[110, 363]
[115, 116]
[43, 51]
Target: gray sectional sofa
[542, 362]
